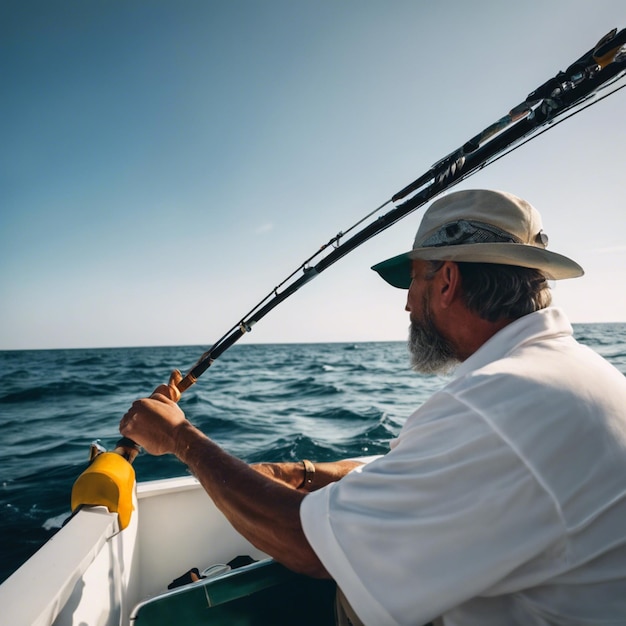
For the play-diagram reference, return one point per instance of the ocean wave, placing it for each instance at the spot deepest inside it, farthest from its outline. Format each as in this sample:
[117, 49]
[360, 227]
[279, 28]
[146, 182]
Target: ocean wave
[340, 413]
[93, 359]
[294, 448]
[56, 390]
[298, 389]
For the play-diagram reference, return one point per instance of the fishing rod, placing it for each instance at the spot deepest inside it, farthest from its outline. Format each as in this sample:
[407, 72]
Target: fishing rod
[566, 94]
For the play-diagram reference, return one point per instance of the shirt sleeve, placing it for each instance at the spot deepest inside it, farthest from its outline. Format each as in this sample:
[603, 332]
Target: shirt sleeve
[450, 511]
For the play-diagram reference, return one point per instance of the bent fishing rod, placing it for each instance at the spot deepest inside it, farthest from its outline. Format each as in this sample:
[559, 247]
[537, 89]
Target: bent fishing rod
[598, 73]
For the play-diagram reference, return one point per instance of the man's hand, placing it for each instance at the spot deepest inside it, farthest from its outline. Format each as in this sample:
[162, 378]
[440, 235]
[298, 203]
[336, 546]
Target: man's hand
[154, 422]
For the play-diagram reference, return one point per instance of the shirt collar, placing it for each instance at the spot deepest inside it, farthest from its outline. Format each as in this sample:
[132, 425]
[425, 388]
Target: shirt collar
[544, 324]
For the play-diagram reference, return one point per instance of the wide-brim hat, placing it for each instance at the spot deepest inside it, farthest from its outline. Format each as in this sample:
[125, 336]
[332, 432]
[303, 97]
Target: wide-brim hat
[480, 226]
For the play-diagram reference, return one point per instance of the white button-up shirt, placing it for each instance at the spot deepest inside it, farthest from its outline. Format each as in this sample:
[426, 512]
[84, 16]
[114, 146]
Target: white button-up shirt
[503, 499]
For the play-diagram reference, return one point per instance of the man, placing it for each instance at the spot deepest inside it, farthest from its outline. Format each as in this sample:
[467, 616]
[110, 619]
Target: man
[503, 499]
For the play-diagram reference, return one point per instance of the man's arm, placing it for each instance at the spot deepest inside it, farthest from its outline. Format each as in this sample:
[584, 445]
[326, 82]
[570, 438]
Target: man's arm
[264, 511]
[263, 504]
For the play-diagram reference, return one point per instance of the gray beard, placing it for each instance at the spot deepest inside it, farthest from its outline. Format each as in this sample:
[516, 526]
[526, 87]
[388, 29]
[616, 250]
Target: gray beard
[431, 353]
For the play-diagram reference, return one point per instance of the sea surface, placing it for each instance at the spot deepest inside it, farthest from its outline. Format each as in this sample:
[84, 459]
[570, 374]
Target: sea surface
[261, 402]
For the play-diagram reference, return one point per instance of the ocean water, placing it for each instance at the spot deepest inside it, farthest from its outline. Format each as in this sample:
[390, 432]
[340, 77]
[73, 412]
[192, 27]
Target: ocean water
[260, 402]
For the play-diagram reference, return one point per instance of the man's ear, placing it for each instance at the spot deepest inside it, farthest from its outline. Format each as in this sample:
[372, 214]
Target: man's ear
[449, 284]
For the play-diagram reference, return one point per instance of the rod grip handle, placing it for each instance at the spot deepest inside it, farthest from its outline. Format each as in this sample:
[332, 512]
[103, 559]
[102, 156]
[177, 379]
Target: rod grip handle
[186, 382]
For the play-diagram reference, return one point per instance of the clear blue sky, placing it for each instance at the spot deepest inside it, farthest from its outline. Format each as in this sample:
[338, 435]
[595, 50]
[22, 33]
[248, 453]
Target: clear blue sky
[164, 164]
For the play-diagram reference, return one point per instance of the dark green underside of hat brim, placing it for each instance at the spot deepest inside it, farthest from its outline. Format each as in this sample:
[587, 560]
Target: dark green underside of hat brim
[397, 270]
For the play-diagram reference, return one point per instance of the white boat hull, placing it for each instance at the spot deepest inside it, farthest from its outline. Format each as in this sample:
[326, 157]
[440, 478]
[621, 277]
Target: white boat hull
[90, 573]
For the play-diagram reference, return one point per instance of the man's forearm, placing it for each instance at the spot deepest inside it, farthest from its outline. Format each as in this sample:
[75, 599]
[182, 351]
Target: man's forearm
[264, 510]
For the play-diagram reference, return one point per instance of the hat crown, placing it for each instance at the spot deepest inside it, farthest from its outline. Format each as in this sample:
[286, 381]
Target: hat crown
[480, 226]
[505, 213]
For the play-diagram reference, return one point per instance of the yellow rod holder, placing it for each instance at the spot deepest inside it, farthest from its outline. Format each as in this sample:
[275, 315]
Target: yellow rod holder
[108, 481]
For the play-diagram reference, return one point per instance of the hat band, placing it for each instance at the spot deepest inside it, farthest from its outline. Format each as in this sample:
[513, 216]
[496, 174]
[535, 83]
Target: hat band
[465, 231]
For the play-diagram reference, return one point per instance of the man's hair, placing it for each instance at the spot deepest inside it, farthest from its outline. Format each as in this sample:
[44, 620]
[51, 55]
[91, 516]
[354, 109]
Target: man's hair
[495, 292]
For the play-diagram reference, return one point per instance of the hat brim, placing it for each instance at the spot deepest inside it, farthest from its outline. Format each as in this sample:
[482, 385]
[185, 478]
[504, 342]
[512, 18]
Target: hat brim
[397, 270]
